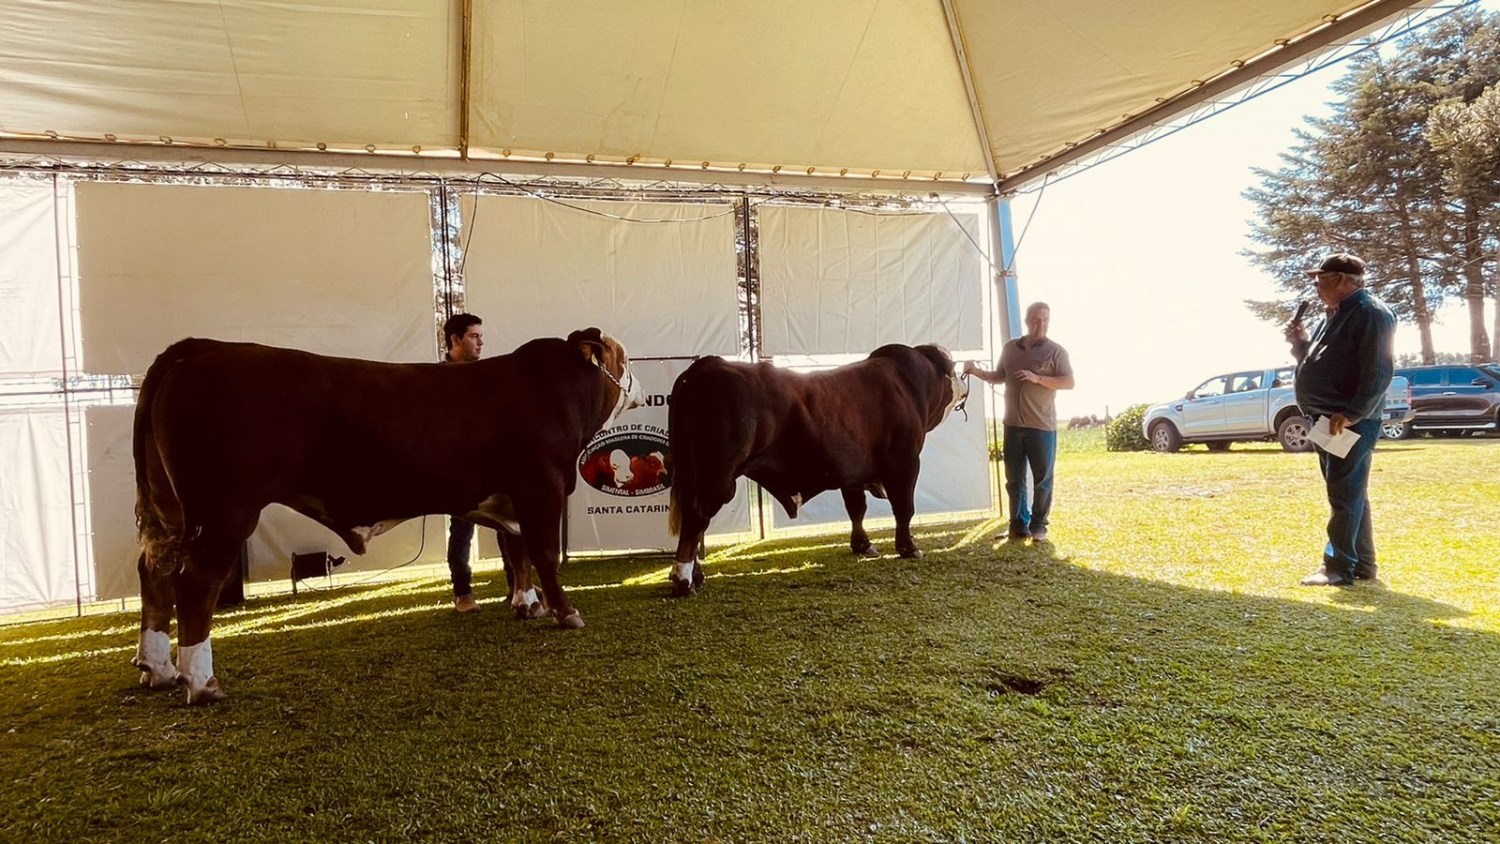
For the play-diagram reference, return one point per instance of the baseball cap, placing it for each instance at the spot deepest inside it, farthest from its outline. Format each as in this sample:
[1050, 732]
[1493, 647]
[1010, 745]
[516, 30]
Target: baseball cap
[1340, 262]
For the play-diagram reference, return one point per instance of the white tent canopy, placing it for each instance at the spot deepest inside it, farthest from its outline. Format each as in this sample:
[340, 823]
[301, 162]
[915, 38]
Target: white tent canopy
[334, 176]
[991, 91]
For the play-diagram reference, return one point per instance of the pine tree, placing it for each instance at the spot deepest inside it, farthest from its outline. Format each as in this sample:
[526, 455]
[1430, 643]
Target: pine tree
[1404, 172]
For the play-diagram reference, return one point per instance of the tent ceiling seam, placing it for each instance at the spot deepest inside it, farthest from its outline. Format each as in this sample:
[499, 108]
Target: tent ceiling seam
[465, 46]
[956, 35]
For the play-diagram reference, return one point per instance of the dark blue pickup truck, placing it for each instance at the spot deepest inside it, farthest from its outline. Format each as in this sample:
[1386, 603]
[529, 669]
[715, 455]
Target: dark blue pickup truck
[1454, 398]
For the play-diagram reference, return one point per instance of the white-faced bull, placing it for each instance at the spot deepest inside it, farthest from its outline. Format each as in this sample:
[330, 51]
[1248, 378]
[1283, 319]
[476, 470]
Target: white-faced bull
[856, 428]
[223, 429]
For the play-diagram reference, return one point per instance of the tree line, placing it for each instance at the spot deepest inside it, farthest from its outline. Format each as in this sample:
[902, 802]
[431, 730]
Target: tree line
[1404, 172]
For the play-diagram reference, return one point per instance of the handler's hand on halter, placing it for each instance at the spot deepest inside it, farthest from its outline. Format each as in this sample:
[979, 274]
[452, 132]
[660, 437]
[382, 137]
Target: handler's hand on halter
[961, 391]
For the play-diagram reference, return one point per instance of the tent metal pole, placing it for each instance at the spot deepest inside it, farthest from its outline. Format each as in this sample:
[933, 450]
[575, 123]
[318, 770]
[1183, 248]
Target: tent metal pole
[61, 156]
[1003, 245]
[61, 246]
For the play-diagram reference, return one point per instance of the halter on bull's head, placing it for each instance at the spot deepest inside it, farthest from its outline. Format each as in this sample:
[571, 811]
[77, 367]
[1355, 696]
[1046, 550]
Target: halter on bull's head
[606, 353]
[959, 390]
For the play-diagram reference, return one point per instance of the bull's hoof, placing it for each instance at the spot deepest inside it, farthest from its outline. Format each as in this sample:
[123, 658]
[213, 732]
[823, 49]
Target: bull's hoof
[911, 554]
[156, 676]
[210, 693]
[867, 551]
[527, 612]
[571, 621]
[156, 682]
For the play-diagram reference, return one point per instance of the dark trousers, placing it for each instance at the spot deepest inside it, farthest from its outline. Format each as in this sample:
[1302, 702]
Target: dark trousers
[1350, 537]
[1037, 449]
[460, 537]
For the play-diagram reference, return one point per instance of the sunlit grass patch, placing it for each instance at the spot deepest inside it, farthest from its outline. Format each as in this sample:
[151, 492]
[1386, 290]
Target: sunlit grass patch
[1153, 674]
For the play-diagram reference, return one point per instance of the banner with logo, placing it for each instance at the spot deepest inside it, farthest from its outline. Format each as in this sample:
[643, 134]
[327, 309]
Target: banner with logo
[624, 486]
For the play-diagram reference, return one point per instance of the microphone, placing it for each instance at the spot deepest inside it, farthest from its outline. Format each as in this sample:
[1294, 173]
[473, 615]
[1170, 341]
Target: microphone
[1297, 317]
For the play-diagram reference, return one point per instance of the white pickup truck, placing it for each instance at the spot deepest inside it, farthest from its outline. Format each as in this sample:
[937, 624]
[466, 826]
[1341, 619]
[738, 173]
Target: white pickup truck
[1255, 405]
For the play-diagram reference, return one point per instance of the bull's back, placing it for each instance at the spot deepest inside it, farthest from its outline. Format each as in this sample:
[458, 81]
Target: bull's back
[726, 404]
[259, 422]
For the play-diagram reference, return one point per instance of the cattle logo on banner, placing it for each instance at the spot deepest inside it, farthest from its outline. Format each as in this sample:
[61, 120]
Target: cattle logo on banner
[624, 490]
[628, 461]
[624, 484]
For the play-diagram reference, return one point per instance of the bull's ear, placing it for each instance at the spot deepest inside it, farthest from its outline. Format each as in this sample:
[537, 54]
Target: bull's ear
[939, 357]
[590, 343]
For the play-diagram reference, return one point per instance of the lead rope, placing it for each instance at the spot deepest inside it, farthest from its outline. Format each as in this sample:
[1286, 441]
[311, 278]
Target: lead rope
[963, 404]
[624, 394]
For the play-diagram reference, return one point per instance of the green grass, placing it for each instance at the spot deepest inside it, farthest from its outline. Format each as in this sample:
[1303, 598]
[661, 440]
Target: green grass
[1155, 675]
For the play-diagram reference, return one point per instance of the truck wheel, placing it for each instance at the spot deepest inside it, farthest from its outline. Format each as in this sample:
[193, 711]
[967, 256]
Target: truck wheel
[1292, 434]
[1394, 430]
[1164, 438]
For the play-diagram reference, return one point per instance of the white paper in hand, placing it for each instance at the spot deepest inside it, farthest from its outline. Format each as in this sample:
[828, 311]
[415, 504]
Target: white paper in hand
[1338, 445]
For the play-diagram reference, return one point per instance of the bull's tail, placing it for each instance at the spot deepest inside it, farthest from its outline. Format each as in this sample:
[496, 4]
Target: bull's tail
[682, 462]
[674, 515]
[157, 538]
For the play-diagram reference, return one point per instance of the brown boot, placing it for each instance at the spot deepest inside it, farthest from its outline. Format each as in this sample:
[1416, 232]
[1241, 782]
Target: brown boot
[1327, 577]
[465, 603]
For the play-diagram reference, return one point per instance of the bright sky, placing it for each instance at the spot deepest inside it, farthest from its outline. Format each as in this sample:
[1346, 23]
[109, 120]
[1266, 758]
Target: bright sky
[1139, 258]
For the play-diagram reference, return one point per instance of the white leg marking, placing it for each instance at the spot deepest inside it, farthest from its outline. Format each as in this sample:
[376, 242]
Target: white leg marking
[154, 657]
[684, 571]
[525, 599]
[195, 664]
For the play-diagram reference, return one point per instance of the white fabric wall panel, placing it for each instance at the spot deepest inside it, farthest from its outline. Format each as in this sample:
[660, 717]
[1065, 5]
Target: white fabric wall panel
[836, 281]
[338, 272]
[955, 478]
[113, 549]
[36, 546]
[281, 533]
[534, 268]
[30, 339]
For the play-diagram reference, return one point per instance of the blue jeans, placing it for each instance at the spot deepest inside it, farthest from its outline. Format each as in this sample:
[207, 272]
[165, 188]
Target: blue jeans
[1350, 537]
[1036, 448]
[460, 537]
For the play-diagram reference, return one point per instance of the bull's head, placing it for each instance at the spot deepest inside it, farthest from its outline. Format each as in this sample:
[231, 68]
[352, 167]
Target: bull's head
[609, 356]
[958, 389]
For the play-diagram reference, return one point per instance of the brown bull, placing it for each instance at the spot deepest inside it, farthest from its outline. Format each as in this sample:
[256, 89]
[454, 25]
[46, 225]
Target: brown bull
[223, 429]
[855, 428]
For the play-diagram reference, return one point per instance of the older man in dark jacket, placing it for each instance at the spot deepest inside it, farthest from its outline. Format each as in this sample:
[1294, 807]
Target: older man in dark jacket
[1343, 372]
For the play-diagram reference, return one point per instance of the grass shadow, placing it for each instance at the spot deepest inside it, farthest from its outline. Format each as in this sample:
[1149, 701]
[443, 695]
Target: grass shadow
[1376, 596]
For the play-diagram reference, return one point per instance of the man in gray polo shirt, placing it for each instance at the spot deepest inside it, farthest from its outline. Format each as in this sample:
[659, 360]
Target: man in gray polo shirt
[1032, 368]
